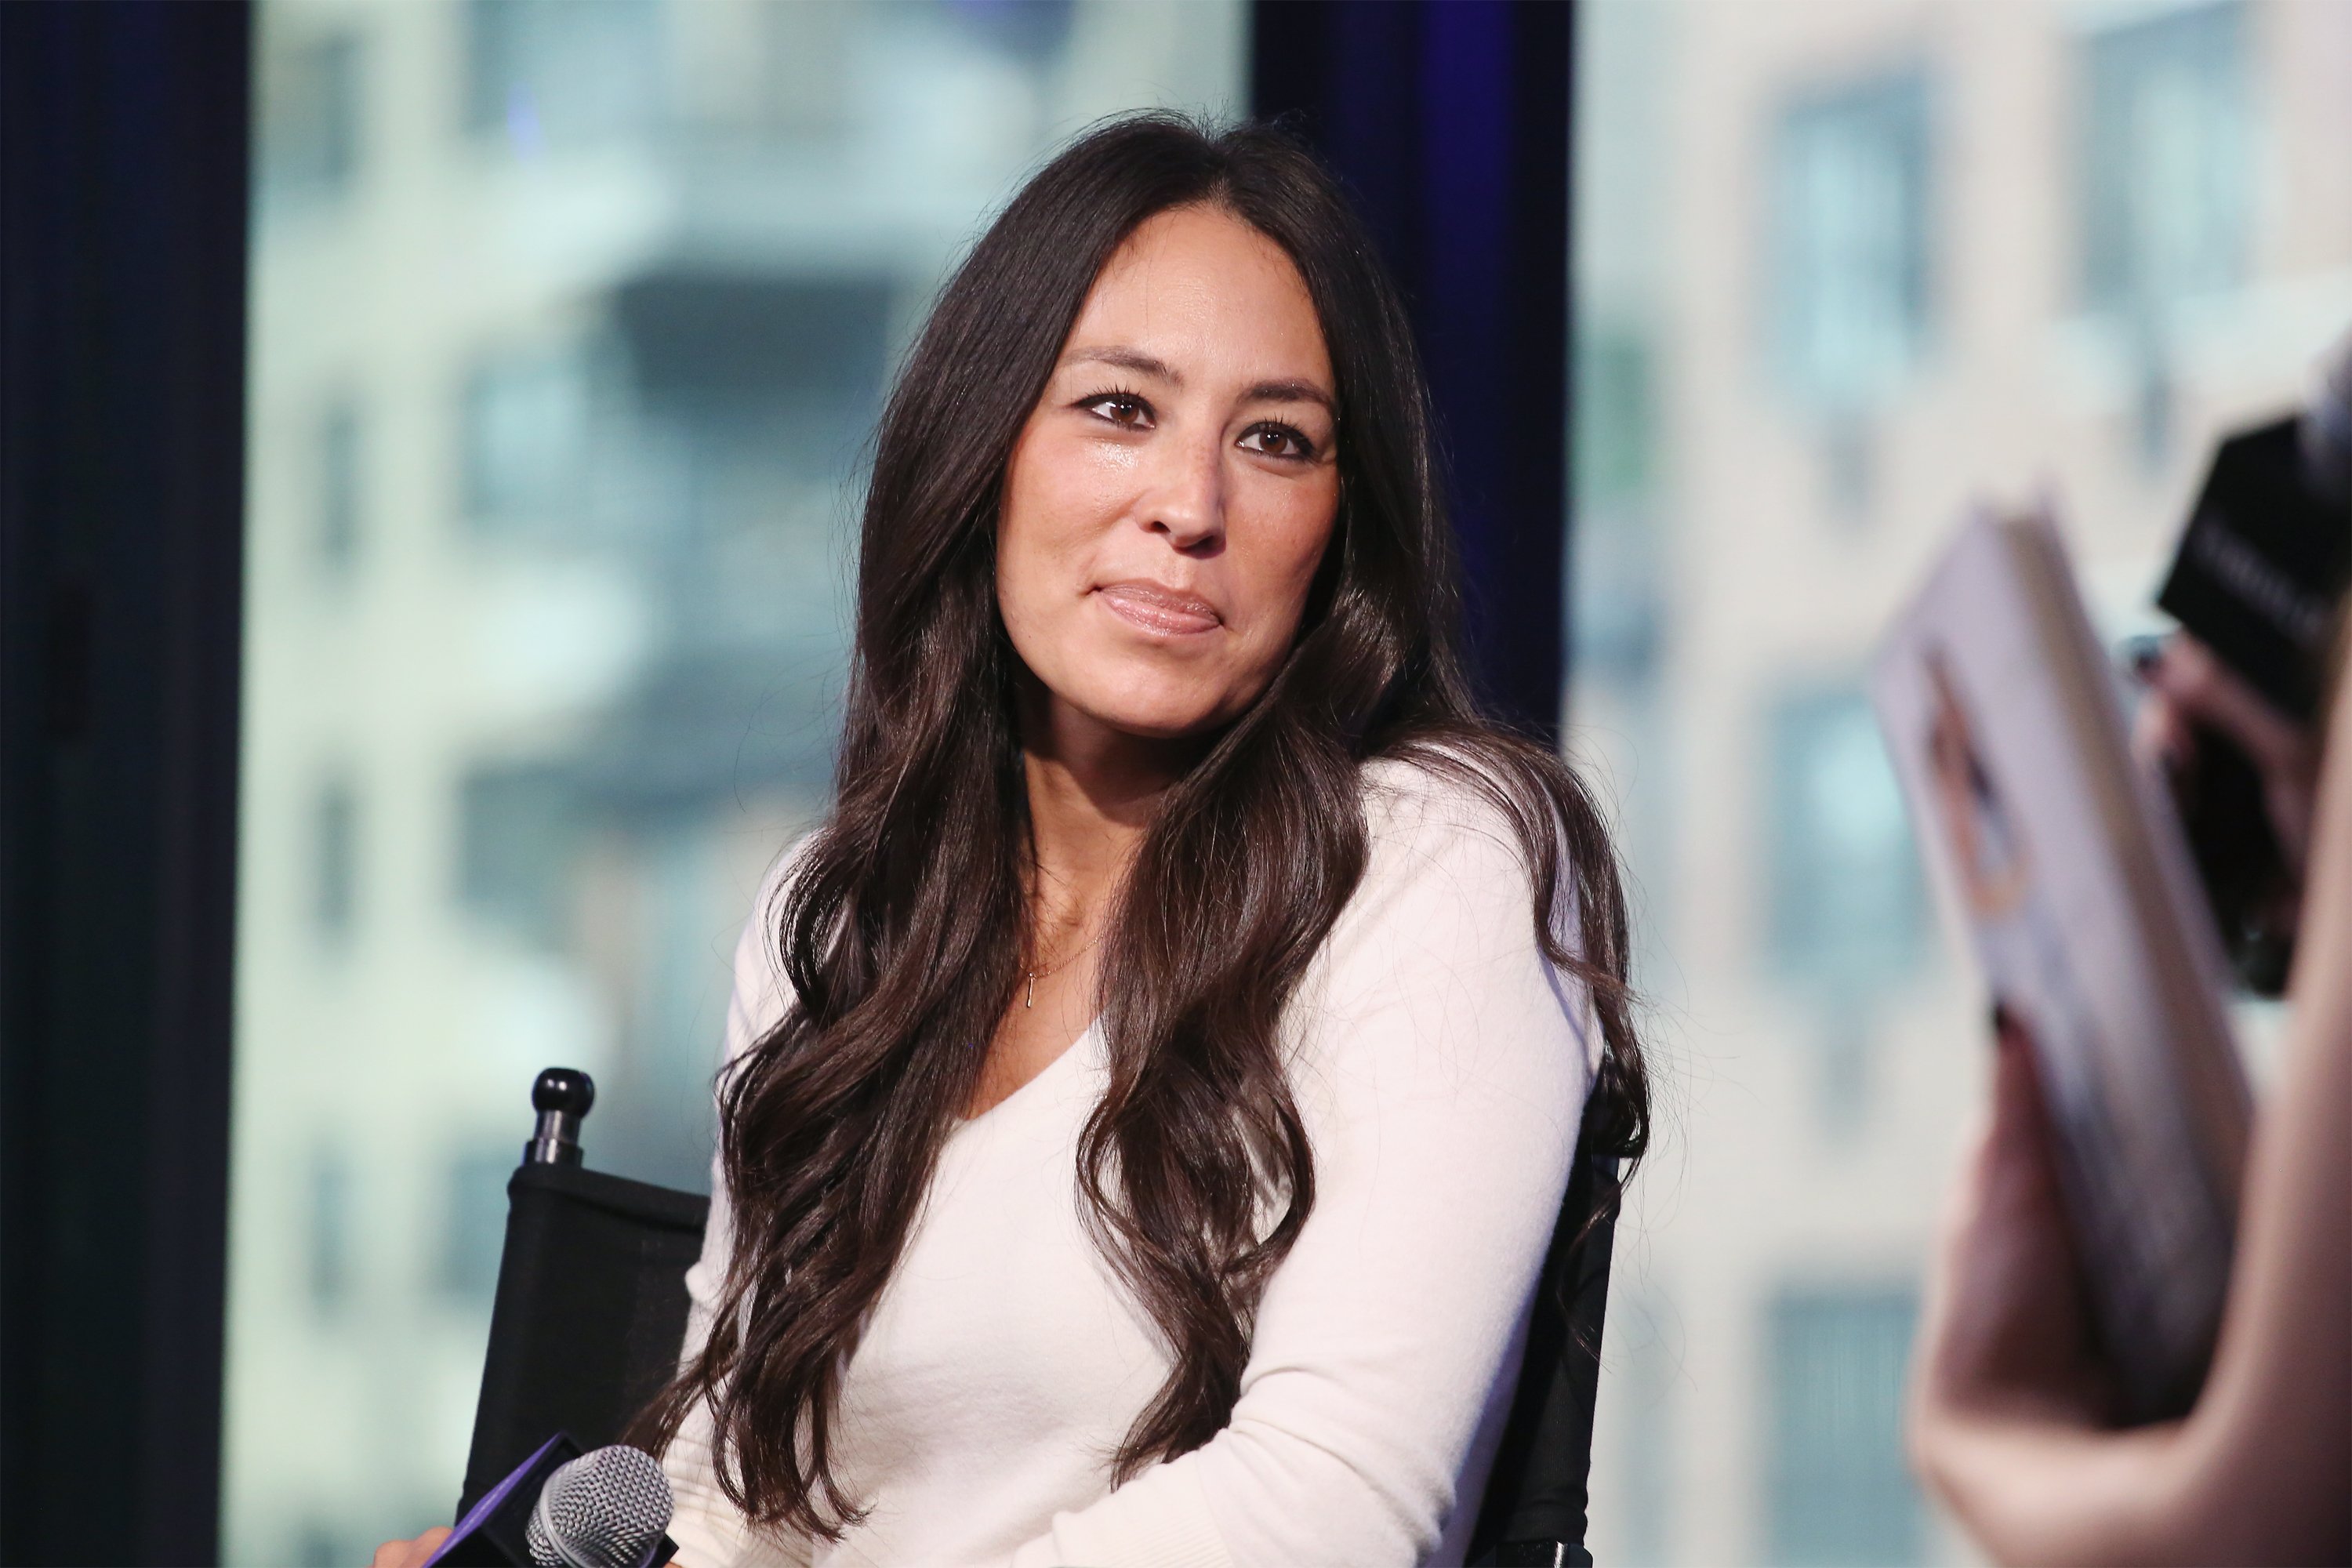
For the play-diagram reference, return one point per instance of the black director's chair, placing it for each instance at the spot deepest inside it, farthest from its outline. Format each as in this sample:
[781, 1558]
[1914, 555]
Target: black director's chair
[591, 1310]
[590, 1305]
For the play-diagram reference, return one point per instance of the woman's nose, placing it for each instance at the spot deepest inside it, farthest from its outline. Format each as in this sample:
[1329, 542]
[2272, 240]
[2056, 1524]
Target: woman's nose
[1187, 500]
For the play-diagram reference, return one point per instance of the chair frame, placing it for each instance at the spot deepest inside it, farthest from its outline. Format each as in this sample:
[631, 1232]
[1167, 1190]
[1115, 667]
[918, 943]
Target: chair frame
[582, 1358]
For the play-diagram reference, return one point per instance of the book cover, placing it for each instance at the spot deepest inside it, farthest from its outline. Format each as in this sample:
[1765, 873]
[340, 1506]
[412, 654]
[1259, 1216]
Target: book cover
[2062, 871]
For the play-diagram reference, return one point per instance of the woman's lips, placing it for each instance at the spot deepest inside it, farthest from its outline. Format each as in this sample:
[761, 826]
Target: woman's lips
[1168, 611]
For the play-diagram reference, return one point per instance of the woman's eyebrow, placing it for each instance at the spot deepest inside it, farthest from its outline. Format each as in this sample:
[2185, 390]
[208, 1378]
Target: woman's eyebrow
[1292, 392]
[1125, 358]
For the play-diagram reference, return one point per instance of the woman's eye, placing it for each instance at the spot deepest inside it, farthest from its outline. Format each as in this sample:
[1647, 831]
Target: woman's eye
[1121, 408]
[1276, 441]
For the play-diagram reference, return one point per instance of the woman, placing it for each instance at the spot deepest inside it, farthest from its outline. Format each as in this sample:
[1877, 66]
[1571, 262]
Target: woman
[1151, 1090]
[2009, 1407]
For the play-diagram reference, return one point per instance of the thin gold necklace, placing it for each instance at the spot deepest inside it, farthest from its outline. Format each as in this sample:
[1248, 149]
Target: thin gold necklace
[1031, 999]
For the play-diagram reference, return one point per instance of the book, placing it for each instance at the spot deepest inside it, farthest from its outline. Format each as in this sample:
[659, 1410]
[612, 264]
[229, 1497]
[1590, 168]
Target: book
[2060, 867]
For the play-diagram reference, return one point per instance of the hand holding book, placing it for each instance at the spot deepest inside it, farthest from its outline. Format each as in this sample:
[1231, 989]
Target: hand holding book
[2008, 1334]
[2009, 1419]
[2064, 874]
[2244, 773]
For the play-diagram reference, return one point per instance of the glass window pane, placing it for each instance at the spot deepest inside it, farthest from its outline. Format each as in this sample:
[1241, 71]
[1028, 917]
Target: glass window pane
[570, 321]
[1842, 268]
[2163, 157]
[310, 100]
[1839, 1492]
[1851, 208]
[1843, 913]
[340, 486]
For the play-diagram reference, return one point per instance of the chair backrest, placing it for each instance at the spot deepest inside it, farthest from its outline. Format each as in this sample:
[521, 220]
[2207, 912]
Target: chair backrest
[592, 1306]
[589, 1313]
[1537, 1501]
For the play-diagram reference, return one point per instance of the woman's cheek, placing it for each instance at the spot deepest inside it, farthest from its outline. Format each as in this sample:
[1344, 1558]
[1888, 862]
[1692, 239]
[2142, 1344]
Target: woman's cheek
[1075, 515]
[1297, 537]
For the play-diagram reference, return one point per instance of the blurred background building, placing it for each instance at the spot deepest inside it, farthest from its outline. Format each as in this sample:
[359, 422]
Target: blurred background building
[570, 321]
[1843, 267]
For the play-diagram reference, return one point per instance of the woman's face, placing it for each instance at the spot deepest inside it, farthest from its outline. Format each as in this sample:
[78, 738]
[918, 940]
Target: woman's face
[1168, 502]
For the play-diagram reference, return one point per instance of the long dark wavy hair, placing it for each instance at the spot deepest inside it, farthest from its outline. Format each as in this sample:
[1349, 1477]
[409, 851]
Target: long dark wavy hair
[904, 927]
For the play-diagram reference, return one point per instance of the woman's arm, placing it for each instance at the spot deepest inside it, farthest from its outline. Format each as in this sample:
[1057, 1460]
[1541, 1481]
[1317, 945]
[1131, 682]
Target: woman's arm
[708, 1529]
[1442, 1078]
[2262, 1470]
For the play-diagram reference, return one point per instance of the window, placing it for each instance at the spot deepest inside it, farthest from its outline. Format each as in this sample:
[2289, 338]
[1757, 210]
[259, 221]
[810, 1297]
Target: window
[578, 403]
[2166, 187]
[1851, 243]
[1839, 1492]
[551, 72]
[1613, 571]
[328, 1228]
[1845, 916]
[335, 857]
[515, 849]
[2166, 155]
[310, 107]
[1845, 921]
[1637, 1342]
[525, 438]
[1891, 253]
[341, 484]
[474, 1219]
[1036, 29]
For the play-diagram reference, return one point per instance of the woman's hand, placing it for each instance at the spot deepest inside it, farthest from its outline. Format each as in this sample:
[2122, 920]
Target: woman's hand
[2007, 1331]
[2009, 1399]
[2189, 688]
[410, 1553]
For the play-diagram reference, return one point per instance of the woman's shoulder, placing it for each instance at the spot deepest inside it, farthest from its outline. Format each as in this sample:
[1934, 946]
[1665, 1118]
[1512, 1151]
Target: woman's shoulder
[1441, 938]
[762, 992]
[768, 905]
[1449, 801]
[1448, 835]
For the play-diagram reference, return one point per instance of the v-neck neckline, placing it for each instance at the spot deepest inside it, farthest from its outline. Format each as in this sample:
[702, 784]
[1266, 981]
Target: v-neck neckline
[1085, 1042]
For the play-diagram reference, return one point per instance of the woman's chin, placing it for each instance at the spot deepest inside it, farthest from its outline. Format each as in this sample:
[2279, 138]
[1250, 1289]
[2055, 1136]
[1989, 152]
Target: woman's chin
[1167, 728]
[1161, 717]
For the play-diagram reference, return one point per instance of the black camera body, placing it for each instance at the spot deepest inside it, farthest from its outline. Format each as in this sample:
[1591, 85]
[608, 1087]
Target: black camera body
[2260, 578]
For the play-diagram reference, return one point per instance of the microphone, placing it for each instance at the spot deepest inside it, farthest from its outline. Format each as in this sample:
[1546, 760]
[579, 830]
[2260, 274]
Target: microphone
[563, 1509]
[604, 1509]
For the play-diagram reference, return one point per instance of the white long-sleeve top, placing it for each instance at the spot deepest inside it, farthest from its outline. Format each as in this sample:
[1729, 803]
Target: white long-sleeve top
[1441, 1066]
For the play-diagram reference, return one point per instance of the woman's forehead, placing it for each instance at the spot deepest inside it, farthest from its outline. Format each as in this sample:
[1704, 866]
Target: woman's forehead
[1197, 285]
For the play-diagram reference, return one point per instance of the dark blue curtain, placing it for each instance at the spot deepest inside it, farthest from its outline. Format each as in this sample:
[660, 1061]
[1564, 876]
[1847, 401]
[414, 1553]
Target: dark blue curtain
[1449, 119]
[122, 268]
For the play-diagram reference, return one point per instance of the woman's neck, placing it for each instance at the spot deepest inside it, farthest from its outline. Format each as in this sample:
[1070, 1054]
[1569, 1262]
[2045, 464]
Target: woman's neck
[1093, 792]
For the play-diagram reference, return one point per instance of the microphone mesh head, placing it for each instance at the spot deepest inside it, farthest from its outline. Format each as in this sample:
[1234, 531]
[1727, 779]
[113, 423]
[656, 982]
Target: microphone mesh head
[604, 1509]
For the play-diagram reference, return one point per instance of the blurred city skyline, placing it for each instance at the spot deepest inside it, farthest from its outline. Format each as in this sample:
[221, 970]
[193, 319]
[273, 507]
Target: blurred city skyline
[1846, 267]
[569, 324]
